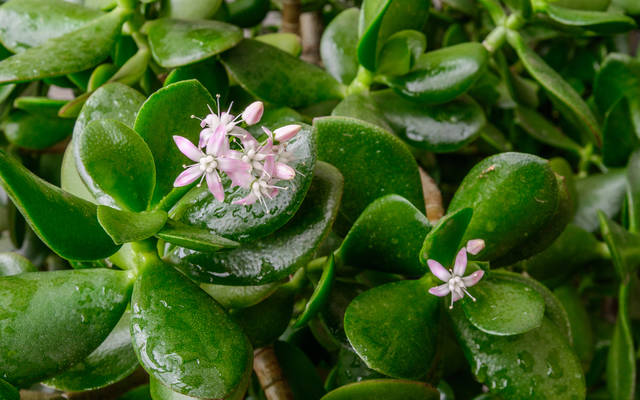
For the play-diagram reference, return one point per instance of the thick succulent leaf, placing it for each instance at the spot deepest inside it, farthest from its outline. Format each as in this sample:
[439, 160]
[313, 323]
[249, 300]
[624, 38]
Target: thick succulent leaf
[439, 128]
[14, 264]
[320, 294]
[35, 131]
[387, 237]
[210, 73]
[231, 297]
[373, 162]
[248, 13]
[596, 21]
[443, 242]
[387, 389]
[361, 106]
[190, 9]
[620, 132]
[624, 246]
[618, 76]
[271, 258]
[39, 105]
[111, 362]
[166, 113]
[541, 129]
[579, 319]
[175, 42]
[599, 192]
[115, 164]
[245, 223]
[285, 41]
[621, 363]
[8, 391]
[633, 191]
[193, 237]
[75, 51]
[394, 328]
[350, 369]
[288, 81]
[51, 212]
[127, 226]
[140, 393]
[338, 46]
[86, 304]
[399, 52]
[212, 361]
[299, 371]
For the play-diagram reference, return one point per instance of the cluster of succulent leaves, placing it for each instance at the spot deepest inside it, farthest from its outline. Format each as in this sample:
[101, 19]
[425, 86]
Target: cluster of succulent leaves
[526, 113]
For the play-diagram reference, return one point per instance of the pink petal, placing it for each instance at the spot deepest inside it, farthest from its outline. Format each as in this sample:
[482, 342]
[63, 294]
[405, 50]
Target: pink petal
[215, 185]
[283, 171]
[473, 278]
[205, 135]
[438, 270]
[247, 139]
[461, 262]
[269, 166]
[252, 114]
[211, 119]
[250, 199]
[218, 144]
[227, 164]
[188, 176]
[475, 246]
[440, 291]
[241, 178]
[456, 296]
[187, 148]
[286, 132]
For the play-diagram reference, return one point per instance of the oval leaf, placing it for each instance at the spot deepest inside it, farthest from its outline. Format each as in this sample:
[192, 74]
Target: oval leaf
[239, 296]
[14, 264]
[599, 192]
[193, 237]
[388, 389]
[596, 21]
[541, 129]
[126, 226]
[338, 46]
[445, 240]
[35, 131]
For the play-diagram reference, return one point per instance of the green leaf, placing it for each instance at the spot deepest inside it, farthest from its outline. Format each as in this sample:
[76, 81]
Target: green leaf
[35, 132]
[379, 19]
[100, 75]
[115, 164]
[361, 106]
[139, 393]
[373, 162]
[599, 192]
[30, 23]
[400, 51]
[248, 13]
[633, 191]
[569, 102]
[320, 294]
[210, 73]
[168, 112]
[15, 264]
[271, 258]
[167, 330]
[72, 52]
[127, 226]
[583, 341]
[111, 362]
[621, 362]
[8, 392]
[504, 308]
[618, 76]
[288, 80]
[194, 238]
[442, 75]
[440, 128]
[620, 132]
[190, 9]
[444, 241]
[537, 364]
[541, 129]
[624, 246]
[247, 223]
[350, 369]
[338, 46]
[394, 328]
[39, 105]
[387, 389]
[177, 42]
[601, 22]
[87, 304]
[285, 41]
[513, 195]
[51, 212]
[239, 296]
[299, 372]
[387, 237]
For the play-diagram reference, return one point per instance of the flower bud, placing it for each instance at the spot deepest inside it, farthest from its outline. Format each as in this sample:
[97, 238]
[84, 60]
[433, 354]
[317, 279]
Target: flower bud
[252, 114]
[475, 246]
[284, 172]
[286, 132]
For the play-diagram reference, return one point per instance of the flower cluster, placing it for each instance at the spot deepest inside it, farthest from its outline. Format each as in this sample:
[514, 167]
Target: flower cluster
[456, 283]
[225, 147]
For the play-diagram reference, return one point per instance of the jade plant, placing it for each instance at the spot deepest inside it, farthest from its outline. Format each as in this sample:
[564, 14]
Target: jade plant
[442, 203]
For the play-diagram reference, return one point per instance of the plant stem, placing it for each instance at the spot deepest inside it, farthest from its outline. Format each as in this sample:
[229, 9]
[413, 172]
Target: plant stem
[272, 380]
[495, 39]
[362, 81]
[585, 159]
[291, 16]
[432, 197]
[310, 33]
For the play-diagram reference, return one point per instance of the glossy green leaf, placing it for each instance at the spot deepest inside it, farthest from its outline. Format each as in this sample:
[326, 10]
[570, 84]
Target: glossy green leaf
[87, 304]
[536, 364]
[39, 105]
[168, 112]
[624, 246]
[219, 353]
[541, 129]
[440, 128]
[620, 132]
[72, 52]
[285, 41]
[133, 70]
[8, 392]
[350, 369]
[139, 393]
[51, 212]
[569, 102]
[444, 241]
[394, 328]
[601, 22]
[320, 294]
[328, 328]
[115, 164]
[354, 147]
[190, 9]
[30, 23]
[513, 195]
[581, 331]
[504, 308]
[111, 362]
[618, 76]
[14, 264]
[621, 363]
[210, 73]
[338, 46]
[247, 223]
[361, 106]
[387, 237]
[384, 389]
[271, 258]
[400, 51]
[300, 373]
[633, 191]
[177, 42]
[248, 13]
[127, 226]
[594, 5]
[604, 192]
[288, 80]
[442, 75]
[35, 132]
[100, 75]
[379, 19]
[239, 296]
[194, 238]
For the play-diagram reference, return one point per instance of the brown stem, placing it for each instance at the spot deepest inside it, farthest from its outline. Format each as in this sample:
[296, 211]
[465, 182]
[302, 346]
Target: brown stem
[272, 380]
[291, 16]
[432, 197]
[310, 33]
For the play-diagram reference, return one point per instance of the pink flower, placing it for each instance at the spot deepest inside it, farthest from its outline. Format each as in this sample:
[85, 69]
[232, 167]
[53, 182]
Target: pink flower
[263, 186]
[251, 115]
[456, 283]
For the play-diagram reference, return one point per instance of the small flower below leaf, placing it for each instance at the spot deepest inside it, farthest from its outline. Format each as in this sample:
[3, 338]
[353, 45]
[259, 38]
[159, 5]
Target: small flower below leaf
[456, 282]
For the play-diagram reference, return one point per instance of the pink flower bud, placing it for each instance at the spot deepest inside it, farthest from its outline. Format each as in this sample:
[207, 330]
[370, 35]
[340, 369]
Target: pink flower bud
[286, 132]
[252, 114]
[283, 171]
[475, 246]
